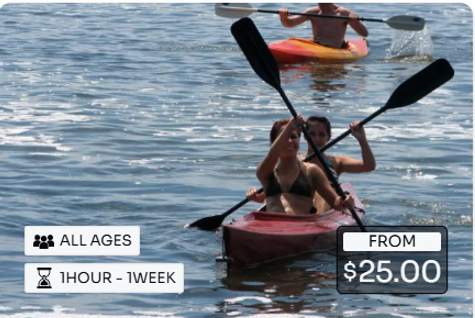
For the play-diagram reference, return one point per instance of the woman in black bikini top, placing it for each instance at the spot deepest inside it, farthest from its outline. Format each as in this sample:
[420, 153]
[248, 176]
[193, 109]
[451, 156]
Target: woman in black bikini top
[290, 185]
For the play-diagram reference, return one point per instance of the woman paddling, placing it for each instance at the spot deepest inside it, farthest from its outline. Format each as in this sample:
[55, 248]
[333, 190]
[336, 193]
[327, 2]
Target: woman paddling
[319, 129]
[289, 184]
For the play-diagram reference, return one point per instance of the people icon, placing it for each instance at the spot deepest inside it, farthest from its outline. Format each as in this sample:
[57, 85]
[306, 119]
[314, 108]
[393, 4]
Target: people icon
[36, 243]
[50, 241]
[43, 242]
[44, 272]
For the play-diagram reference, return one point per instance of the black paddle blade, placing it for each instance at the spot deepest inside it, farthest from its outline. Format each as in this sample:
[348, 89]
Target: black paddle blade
[421, 84]
[209, 223]
[256, 51]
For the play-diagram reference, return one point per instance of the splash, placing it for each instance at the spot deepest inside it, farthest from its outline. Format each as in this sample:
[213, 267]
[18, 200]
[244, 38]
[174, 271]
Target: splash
[412, 46]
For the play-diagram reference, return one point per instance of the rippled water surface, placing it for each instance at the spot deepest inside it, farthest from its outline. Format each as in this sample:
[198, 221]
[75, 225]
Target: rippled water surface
[149, 115]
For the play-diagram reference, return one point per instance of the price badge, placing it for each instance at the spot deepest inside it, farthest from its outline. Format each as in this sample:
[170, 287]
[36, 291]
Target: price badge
[392, 260]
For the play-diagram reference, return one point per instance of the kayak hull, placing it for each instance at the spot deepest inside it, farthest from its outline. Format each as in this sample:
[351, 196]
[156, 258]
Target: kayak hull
[294, 51]
[260, 237]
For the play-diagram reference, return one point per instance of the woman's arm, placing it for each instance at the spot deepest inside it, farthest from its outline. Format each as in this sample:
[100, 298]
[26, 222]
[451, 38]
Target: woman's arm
[323, 187]
[351, 165]
[266, 167]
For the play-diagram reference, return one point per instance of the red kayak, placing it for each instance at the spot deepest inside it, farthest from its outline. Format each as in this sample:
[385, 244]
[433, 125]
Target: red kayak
[260, 237]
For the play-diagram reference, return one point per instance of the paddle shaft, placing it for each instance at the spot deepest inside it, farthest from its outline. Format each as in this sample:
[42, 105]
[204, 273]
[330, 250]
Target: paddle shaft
[346, 133]
[239, 205]
[241, 10]
[318, 15]
[326, 169]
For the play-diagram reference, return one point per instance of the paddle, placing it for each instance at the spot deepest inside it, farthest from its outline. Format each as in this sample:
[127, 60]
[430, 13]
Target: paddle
[241, 10]
[409, 92]
[264, 65]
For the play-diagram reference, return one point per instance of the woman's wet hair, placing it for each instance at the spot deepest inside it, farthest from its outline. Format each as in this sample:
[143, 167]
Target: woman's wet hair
[278, 125]
[322, 120]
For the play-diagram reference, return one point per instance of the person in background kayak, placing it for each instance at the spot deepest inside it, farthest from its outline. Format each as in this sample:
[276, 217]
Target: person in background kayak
[289, 184]
[319, 129]
[326, 31]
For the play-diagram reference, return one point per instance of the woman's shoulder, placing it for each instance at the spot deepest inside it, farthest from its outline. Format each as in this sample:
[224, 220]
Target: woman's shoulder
[311, 168]
[335, 160]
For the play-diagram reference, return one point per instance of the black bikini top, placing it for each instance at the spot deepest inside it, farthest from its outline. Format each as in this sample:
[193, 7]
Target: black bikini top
[301, 186]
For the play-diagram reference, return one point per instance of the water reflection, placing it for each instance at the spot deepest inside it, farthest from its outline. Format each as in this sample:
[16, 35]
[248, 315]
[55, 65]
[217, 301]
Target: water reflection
[328, 82]
[324, 77]
[287, 286]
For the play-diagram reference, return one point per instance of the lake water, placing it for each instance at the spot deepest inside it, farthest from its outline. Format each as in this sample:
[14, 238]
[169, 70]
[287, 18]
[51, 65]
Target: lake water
[149, 115]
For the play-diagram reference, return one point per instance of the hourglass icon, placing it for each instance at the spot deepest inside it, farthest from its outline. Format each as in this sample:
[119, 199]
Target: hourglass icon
[44, 272]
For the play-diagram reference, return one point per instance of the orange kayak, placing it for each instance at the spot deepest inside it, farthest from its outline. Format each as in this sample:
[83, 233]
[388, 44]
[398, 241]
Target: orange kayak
[293, 50]
[260, 237]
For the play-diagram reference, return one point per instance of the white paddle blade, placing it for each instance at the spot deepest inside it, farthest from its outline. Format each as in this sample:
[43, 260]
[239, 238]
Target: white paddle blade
[406, 22]
[234, 10]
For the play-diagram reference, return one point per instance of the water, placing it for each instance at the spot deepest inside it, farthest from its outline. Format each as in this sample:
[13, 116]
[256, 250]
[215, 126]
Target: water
[149, 115]
[411, 45]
